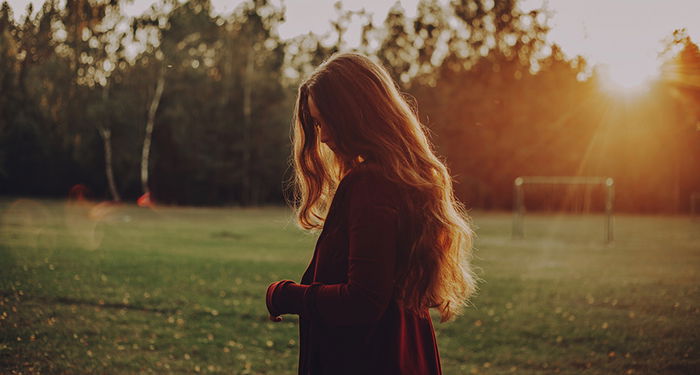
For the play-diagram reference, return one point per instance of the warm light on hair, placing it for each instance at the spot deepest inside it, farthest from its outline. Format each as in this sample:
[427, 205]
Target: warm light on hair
[370, 119]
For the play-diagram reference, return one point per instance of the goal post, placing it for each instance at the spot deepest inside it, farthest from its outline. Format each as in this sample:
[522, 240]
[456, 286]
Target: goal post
[694, 204]
[519, 198]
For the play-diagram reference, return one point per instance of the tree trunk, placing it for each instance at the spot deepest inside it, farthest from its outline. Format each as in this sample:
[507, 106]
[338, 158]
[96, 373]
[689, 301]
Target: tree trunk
[106, 134]
[247, 124]
[146, 151]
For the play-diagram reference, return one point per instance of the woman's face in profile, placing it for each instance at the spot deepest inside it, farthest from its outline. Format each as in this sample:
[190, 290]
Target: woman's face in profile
[320, 125]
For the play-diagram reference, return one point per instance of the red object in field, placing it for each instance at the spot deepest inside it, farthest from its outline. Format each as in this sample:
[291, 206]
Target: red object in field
[78, 192]
[145, 200]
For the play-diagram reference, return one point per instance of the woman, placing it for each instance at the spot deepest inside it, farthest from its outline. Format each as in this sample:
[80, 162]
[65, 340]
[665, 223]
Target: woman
[395, 242]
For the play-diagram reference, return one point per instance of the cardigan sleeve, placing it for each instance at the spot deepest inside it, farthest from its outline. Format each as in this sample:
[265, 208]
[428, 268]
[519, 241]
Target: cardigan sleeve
[373, 220]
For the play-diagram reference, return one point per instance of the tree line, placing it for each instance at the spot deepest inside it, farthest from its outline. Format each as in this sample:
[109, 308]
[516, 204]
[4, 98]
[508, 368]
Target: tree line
[195, 108]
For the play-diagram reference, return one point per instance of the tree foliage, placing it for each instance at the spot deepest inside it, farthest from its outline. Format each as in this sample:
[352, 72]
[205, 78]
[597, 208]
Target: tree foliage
[499, 100]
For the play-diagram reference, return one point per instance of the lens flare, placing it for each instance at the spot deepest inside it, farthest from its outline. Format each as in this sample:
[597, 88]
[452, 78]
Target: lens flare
[85, 219]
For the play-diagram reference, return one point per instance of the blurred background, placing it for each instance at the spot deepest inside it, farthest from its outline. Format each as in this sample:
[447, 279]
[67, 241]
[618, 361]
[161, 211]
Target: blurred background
[192, 102]
[145, 145]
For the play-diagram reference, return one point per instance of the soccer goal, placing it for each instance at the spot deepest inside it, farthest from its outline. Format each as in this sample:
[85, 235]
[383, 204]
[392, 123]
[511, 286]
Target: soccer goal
[519, 191]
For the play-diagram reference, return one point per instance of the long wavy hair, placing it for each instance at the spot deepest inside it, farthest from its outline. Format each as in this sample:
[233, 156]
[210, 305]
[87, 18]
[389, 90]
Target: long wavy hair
[370, 119]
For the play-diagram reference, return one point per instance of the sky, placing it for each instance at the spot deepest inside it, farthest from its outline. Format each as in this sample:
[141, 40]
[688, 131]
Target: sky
[623, 36]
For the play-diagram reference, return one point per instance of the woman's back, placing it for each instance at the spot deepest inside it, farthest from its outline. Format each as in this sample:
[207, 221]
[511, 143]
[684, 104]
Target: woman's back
[354, 324]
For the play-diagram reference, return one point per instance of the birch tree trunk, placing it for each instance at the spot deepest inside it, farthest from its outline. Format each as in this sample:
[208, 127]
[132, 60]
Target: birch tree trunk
[150, 121]
[247, 124]
[106, 134]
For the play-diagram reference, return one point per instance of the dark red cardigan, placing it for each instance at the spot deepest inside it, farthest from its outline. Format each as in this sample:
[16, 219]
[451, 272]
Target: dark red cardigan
[349, 320]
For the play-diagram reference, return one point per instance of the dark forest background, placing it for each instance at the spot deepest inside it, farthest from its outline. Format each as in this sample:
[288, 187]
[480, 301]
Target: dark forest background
[195, 109]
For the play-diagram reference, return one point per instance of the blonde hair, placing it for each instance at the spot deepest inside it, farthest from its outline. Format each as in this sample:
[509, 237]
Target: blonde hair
[370, 119]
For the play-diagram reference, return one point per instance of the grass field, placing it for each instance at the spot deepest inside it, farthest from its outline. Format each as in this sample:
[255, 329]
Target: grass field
[121, 290]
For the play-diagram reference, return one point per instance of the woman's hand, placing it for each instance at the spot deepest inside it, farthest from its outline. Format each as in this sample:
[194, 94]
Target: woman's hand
[275, 318]
[273, 298]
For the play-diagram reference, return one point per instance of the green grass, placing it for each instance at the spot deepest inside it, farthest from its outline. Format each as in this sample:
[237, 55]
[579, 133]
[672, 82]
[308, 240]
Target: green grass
[93, 289]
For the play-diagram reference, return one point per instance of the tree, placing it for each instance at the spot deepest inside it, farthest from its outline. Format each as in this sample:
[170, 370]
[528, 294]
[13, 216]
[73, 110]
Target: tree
[397, 50]
[680, 77]
[97, 48]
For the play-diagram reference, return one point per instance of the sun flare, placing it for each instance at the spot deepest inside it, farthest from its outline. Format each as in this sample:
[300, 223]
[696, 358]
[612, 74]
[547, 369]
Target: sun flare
[628, 75]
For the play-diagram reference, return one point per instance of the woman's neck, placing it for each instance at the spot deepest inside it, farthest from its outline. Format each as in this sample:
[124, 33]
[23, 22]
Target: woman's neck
[352, 164]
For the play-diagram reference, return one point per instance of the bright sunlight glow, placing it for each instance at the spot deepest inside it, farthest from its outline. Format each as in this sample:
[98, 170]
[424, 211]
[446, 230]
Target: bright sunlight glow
[620, 38]
[627, 74]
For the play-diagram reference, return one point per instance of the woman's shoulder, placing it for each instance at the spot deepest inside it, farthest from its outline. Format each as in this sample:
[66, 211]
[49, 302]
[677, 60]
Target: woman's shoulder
[370, 180]
[369, 172]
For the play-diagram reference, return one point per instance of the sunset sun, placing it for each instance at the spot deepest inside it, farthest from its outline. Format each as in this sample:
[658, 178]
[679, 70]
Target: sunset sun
[628, 75]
